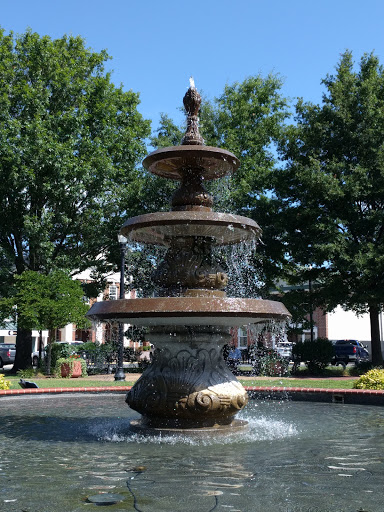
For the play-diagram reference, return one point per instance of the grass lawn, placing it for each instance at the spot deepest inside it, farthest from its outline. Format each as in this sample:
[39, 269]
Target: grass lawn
[332, 377]
[86, 382]
[328, 381]
[292, 382]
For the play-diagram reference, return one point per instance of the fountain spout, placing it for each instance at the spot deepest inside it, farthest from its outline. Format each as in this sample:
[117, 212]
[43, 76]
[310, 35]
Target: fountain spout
[192, 102]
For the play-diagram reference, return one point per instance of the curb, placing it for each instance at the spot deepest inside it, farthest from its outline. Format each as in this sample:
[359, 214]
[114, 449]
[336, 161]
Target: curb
[42, 391]
[336, 396]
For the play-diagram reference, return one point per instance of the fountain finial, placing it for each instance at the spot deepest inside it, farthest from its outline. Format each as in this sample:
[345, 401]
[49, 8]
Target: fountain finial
[192, 102]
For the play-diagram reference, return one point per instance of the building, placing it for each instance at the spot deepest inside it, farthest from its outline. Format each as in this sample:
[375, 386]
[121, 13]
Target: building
[8, 333]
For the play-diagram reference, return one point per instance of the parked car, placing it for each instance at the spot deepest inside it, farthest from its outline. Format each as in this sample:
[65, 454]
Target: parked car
[284, 349]
[35, 355]
[7, 354]
[349, 351]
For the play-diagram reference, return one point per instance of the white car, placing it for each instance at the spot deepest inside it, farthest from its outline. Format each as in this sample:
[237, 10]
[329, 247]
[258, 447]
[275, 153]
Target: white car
[35, 355]
[284, 349]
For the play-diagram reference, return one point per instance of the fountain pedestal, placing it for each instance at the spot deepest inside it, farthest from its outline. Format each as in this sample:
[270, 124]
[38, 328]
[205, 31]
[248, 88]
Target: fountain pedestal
[188, 384]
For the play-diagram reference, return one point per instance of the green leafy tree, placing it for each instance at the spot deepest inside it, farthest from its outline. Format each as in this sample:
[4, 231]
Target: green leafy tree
[44, 302]
[70, 144]
[331, 191]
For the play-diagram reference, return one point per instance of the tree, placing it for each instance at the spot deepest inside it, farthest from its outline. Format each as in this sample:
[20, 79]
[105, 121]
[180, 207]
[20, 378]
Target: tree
[332, 190]
[44, 302]
[70, 142]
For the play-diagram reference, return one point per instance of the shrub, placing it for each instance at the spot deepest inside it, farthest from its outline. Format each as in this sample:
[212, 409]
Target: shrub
[374, 379]
[129, 354]
[360, 368]
[270, 364]
[316, 354]
[89, 347]
[4, 384]
[28, 373]
[59, 350]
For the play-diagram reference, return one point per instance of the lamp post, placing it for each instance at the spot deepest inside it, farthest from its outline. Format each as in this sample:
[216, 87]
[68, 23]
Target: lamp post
[120, 375]
[310, 306]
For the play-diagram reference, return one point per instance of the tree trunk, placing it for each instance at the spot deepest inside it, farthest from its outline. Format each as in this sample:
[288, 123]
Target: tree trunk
[51, 339]
[377, 355]
[23, 350]
[40, 347]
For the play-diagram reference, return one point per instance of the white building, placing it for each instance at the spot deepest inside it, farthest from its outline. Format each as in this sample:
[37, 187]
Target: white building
[347, 325]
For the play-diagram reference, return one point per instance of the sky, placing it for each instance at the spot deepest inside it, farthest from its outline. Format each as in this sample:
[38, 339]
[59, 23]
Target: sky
[157, 45]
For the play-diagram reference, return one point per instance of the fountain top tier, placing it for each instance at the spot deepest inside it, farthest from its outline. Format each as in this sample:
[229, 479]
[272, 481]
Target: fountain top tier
[177, 161]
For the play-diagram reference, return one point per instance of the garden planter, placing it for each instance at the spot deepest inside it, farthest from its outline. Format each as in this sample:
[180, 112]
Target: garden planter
[72, 369]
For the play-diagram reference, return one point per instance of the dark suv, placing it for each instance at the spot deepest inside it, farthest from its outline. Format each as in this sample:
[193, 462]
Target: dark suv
[7, 354]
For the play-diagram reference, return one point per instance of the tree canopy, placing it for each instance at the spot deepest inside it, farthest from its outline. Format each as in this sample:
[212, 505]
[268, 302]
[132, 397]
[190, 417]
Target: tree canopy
[331, 190]
[70, 142]
[70, 145]
[44, 302]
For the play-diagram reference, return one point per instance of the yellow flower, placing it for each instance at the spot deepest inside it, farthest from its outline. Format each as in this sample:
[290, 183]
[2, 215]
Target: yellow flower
[4, 384]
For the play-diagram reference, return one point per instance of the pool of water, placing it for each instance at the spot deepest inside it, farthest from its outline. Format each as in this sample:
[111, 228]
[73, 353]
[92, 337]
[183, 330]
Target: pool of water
[57, 451]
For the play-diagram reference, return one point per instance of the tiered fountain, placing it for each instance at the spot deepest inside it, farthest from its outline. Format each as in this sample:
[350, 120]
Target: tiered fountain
[188, 386]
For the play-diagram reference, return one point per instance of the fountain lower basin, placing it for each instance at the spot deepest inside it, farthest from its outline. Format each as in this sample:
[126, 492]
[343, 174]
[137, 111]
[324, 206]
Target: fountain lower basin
[55, 451]
[221, 311]
[188, 385]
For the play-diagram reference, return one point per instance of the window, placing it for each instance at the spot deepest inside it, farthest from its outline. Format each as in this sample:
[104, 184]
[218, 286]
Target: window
[242, 338]
[306, 336]
[112, 292]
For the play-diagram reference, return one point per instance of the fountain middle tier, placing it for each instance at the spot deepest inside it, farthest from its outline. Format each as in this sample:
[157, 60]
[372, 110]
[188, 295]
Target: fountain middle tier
[158, 228]
[190, 310]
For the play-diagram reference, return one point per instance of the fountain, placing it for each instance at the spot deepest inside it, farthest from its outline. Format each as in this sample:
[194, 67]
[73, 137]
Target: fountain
[76, 452]
[188, 386]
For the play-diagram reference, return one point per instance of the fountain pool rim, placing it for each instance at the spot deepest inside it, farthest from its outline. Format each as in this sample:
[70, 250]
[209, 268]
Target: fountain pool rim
[324, 395]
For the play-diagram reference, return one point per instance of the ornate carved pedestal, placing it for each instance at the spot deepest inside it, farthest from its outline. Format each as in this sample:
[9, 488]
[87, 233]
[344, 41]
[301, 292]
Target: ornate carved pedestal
[188, 384]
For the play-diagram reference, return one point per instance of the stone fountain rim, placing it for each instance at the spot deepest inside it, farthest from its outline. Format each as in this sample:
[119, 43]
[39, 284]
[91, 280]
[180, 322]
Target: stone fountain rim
[171, 161]
[236, 227]
[158, 311]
